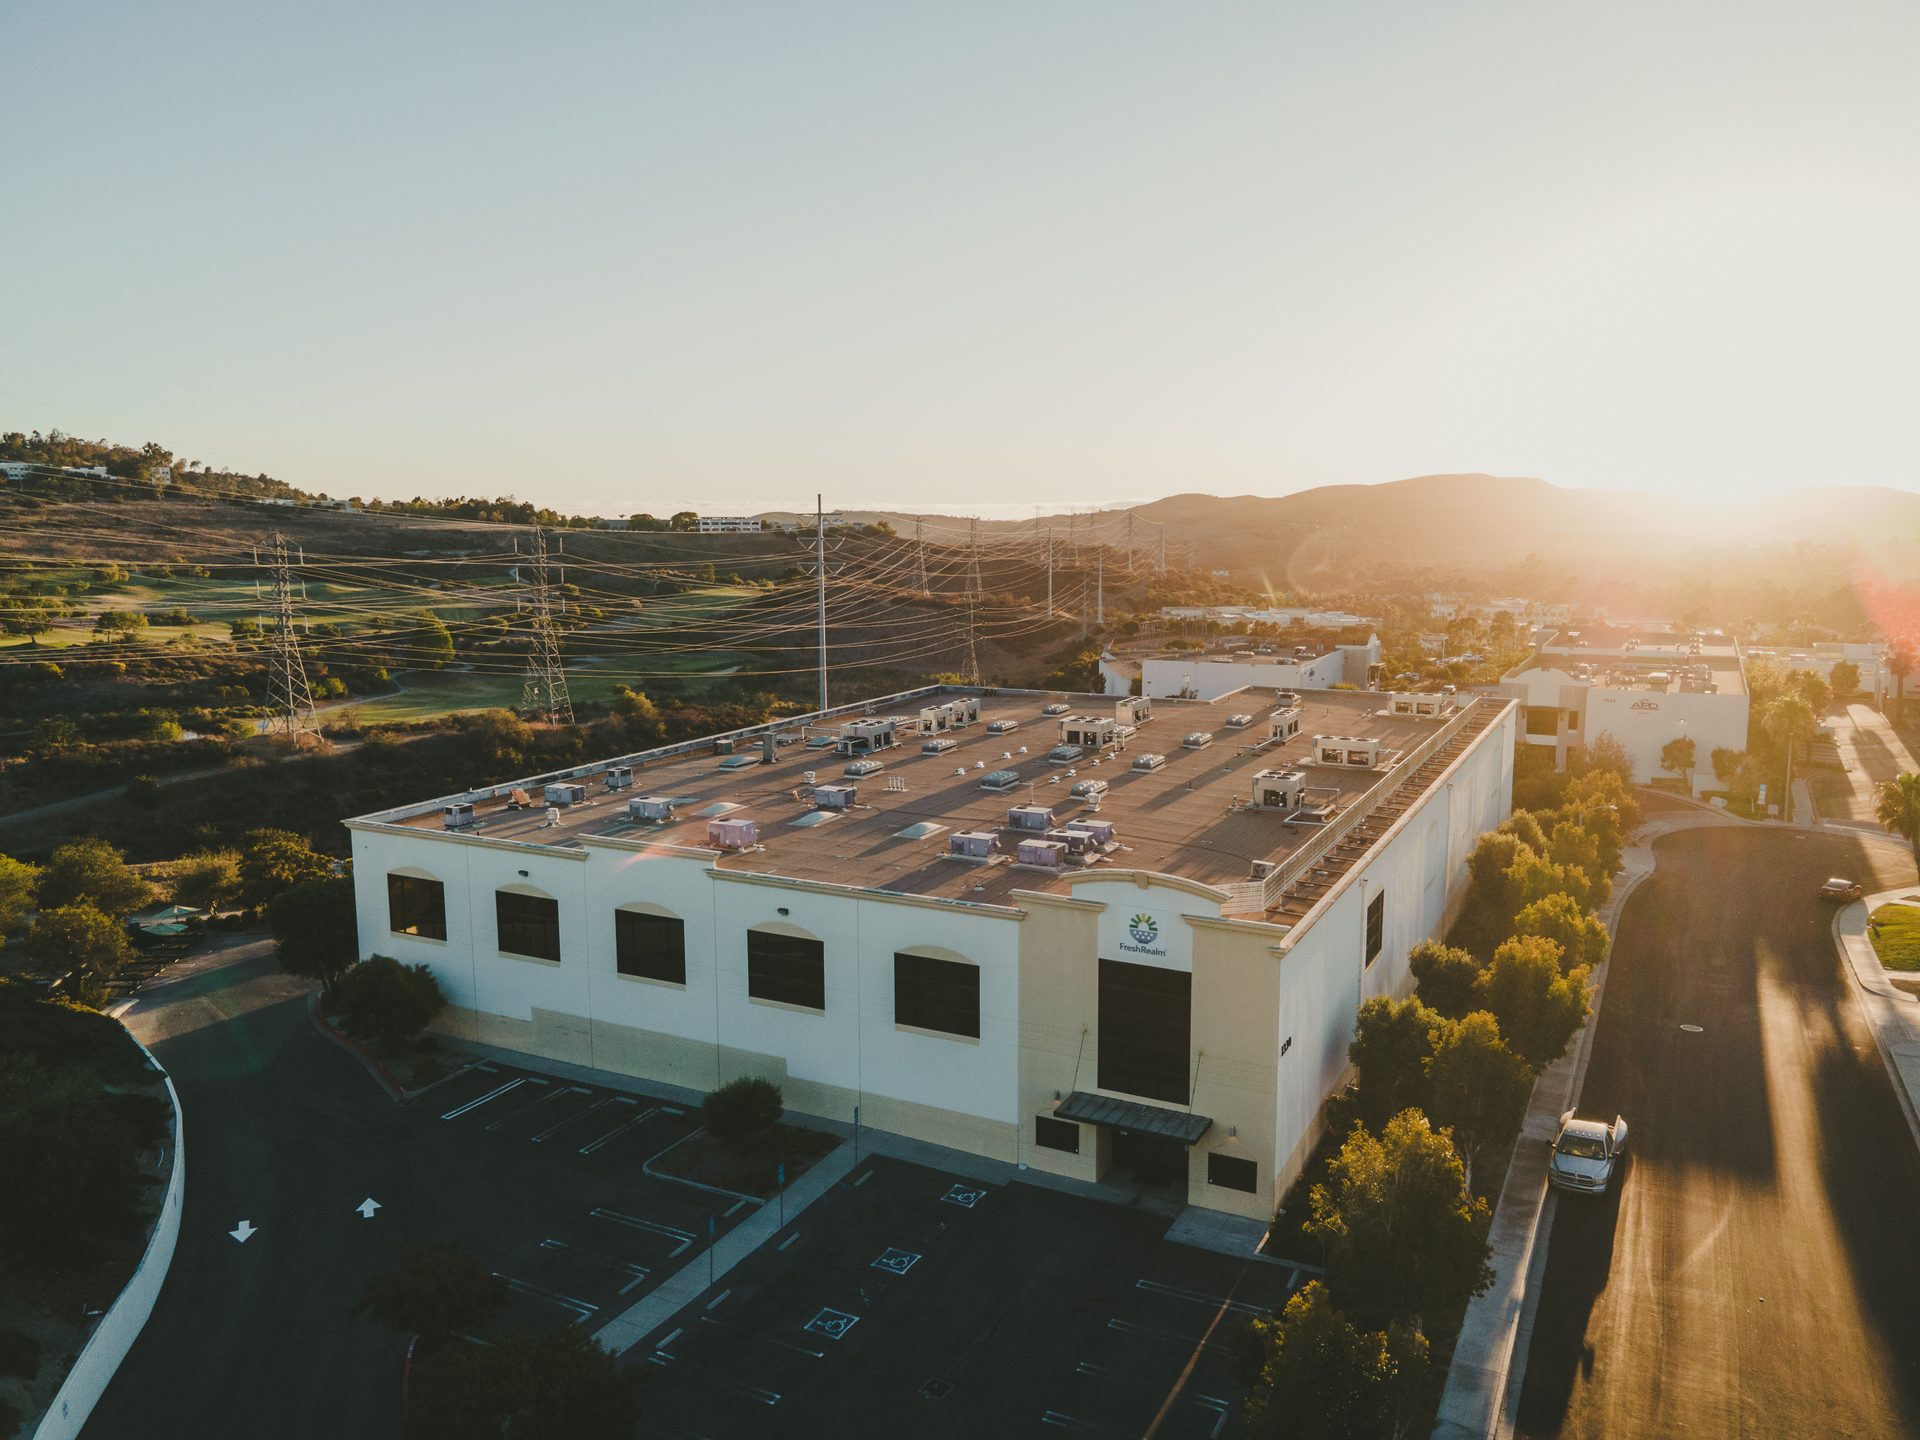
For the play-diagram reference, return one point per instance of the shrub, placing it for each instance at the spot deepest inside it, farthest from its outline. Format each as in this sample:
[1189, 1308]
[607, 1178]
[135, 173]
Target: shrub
[743, 1111]
[381, 999]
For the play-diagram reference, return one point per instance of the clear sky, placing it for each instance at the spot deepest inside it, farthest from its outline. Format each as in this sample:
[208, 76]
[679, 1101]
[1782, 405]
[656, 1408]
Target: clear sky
[967, 256]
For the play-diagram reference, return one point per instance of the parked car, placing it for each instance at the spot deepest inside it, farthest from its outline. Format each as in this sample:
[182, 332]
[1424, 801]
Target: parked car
[1839, 889]
[1586, 1154]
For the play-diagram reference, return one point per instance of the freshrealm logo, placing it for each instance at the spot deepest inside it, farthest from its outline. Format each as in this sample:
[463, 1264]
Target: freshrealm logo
[1144, 929]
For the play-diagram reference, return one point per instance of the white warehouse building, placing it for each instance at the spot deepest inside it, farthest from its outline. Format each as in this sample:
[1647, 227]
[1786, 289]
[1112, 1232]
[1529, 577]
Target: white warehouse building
[1133, 954]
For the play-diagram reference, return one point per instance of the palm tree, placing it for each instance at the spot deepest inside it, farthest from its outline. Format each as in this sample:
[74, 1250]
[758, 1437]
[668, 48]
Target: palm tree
[1786, 717]
[1899, 810]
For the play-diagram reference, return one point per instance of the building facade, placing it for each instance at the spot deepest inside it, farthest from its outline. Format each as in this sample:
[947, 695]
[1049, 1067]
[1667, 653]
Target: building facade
[1098, 1020]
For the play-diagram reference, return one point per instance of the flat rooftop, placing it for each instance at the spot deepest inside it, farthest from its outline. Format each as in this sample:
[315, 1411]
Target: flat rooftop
[1180, 819]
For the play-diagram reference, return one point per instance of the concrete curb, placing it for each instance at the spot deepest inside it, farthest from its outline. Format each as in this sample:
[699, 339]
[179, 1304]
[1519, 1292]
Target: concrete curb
[99, 1359]
[388, 1080]
[1893, 1015]
[1482, 1397]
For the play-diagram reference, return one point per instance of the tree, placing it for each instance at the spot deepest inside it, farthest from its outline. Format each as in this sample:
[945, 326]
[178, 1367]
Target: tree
[683, 520]
[1539, 1009]
[82, 944]
[18, 881]
[1581, 937]
[1844, 678]
[1786, 718]
[639, 716]
[1900, 663]
[89, 871]
[1898, 809]
[1403, 1236]
[1676, 756]
[274, 861]
[30, 615]
[743, 1111]
[1318, 1378]
[1727, 763]
[1812, 687]
[560, 1385]
[314, 928]
[435, 1290]
[1476, 1086]
[381, 999]
[207, 879]
[1525, 827]
[1603, 753]
[1444, 976]
[430, 647]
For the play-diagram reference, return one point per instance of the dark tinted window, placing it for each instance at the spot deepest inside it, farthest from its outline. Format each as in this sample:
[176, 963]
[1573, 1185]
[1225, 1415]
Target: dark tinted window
[1543, 720]
[1055, 1134]
[654, 947]
[786, 968]
[1376, 924]
[416, 906]
[936, 994]
[1232, 1172]
[1145, 1018]
[528, 924]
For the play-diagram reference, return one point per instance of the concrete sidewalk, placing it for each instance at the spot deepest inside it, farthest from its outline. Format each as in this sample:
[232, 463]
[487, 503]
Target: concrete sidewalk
[686, 1284]
[1893, 1014]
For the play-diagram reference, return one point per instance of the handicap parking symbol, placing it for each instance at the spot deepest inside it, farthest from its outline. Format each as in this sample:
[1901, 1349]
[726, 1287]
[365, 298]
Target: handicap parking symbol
[966, 1196]
[833, 1324]
[898, 1261]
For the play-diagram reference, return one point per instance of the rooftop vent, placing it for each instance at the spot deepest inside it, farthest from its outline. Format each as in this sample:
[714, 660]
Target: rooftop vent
[813, 818]
[1000, 781]
[919, 830]
[457, 816]
[1239, 722]
[1149, 762]
[1198, 739]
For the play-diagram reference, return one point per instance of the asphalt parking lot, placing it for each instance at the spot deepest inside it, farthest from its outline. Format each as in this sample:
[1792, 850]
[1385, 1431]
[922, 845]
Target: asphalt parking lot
[544, 1180]
[911, 1301]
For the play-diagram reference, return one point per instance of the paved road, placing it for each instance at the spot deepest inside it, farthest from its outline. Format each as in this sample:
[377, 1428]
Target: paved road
[1759, 1272]
[284, 1130]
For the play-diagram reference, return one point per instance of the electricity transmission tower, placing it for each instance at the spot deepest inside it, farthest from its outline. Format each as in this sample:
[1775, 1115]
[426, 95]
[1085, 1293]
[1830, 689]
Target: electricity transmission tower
[973, 599]
[288, 692]
[545, 690]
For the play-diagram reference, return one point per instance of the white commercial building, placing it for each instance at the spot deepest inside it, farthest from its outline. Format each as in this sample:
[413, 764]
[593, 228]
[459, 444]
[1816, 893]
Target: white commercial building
[1136, 953]
[729, 525]
[1207, 675]
[1644, 687]
[1867, 657]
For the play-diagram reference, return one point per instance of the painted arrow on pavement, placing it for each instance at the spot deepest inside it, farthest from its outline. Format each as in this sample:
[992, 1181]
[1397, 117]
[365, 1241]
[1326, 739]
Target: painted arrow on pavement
[243, 1231]
[366, 1207]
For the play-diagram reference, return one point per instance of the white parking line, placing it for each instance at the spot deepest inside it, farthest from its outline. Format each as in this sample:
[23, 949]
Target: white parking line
[578, 1115]
[791, 1345]
[1127, 1327]
[558, 1093]
[627, 1267]
[618, 1131]
[581, 1309]
[863, 1180]
[735, 1208]
[752, 1392]
[671, 1336]
[683, 1236]
[1154, 1287]
[1069, 1422]
[715, 1301]
[790, 1239]
[493, 1094]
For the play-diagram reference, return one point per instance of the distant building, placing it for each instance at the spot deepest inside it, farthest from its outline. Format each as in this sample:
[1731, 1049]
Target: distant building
[1209, 674]
[613, 522]
[1645, 686]
[730, 525]
[1821, 659]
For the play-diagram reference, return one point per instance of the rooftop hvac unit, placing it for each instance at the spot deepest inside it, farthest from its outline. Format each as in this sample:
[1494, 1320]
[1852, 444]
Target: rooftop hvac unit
[458, 816]
[1346, 750]
[1278, 789]
[620, 777]
[1102, 831]
[835, 797]
[1030, 817]
[1425, 707]
[1287, 699]
[1133, 710]
[1078, 842]
[654, 808]
[565, 794]
[972, 844]
[1089, 730]
[732, 834]
[1041, 852]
